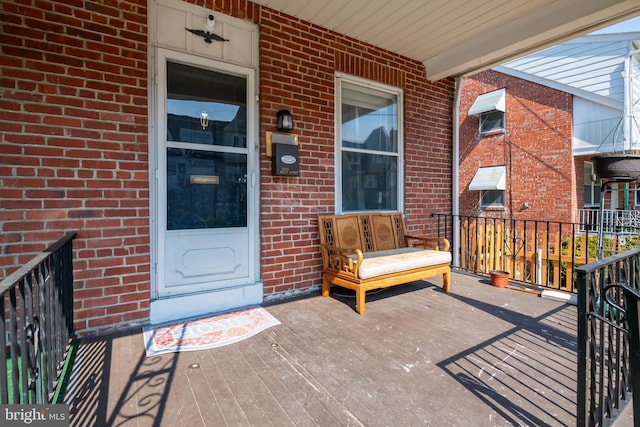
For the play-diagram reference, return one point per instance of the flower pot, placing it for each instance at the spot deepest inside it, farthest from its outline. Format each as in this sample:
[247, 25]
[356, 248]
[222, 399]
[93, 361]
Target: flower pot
[617, 167]
[499, 278]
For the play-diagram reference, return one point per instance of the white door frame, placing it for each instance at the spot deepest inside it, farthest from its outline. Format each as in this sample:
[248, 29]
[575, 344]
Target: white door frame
[166, 307]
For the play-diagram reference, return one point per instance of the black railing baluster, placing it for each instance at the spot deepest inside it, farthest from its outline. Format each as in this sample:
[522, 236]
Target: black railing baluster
[4, 377]
[13, 331]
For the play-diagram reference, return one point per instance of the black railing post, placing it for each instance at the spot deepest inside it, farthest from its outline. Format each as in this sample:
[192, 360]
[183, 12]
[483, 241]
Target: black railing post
[583, 340]
[632, 298]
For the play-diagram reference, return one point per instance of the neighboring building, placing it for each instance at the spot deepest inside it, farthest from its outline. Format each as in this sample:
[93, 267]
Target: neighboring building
[515, 157]
[540, 119]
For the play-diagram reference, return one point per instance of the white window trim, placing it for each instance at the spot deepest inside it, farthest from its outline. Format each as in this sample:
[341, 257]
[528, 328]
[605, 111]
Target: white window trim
[397, 91]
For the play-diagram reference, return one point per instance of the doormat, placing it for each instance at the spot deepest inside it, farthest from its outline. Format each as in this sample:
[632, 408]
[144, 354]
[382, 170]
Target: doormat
[209, 332]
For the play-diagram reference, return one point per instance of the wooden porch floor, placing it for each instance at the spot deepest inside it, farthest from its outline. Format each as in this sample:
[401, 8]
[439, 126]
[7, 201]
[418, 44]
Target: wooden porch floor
[476, 356]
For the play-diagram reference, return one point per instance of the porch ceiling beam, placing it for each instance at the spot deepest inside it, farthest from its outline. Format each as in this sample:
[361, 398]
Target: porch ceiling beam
[544, 27]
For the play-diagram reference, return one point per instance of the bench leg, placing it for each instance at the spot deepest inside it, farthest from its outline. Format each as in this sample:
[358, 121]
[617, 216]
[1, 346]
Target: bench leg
[360, 295]
[446, 281]
[326, 286]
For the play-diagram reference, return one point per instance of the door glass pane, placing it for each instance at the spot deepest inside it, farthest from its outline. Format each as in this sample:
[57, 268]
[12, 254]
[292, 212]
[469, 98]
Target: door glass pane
[205, 106]
[206, 189]
[369, 182]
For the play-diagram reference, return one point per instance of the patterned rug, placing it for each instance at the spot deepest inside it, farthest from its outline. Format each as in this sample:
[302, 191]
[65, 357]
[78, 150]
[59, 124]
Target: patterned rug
[209, 332]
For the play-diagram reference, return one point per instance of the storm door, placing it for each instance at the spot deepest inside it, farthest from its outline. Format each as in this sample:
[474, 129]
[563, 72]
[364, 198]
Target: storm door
[206, 227]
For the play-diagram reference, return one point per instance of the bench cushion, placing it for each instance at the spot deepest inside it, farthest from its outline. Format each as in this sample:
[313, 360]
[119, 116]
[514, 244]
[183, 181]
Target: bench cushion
[398, 260]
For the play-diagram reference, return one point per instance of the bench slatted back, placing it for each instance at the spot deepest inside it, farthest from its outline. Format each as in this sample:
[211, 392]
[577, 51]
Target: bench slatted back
[372, 231]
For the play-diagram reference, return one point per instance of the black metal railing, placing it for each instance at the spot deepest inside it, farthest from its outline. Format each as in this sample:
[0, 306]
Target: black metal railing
[543, 254]
[608, 347]
[37, 321]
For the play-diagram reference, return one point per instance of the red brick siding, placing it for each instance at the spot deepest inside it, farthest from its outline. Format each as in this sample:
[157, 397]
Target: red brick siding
[536, 149]
[74, 143]
[297, 71]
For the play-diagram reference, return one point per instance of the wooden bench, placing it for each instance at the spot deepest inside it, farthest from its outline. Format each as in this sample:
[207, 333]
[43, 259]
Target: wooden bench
[365, 251]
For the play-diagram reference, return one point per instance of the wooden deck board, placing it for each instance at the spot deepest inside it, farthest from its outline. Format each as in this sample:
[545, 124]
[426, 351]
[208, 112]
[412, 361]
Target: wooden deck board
[477, 355]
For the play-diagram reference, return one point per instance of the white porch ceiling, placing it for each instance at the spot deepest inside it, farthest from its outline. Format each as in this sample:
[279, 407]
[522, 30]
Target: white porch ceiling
[458, 37]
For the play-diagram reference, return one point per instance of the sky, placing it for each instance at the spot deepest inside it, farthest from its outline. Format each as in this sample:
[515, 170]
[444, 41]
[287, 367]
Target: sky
[632, 24]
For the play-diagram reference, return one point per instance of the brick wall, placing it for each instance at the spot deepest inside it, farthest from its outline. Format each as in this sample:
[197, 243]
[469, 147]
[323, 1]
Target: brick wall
[74, 144]
[297, 71]
[536, 150]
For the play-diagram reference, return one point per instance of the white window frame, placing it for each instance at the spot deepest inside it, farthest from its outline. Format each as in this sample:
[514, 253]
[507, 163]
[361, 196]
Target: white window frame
[592, 184]
[374, 86]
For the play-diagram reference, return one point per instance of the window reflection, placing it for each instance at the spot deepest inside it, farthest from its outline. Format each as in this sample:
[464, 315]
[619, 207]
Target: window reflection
[206, 188]
[193, 91]
[369, 182]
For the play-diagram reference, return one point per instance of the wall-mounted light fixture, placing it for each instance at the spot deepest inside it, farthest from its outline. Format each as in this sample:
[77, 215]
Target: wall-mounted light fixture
[285, 121]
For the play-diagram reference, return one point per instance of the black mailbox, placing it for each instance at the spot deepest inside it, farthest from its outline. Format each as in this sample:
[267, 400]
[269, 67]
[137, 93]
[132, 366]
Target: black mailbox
[285, 160]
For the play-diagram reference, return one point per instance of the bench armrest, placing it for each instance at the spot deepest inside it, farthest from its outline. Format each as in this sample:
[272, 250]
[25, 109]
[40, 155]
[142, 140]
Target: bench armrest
[429, 242]
[338, 259]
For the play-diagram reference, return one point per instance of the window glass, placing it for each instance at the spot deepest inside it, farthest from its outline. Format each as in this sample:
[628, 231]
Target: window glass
[370, 155]
[206, 189]
[369, 119]
[370, 182]
[591, 188]
[492, 198]
[491, 121]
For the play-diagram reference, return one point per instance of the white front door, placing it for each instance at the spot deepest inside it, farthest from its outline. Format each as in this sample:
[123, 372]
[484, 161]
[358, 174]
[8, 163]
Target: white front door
[206, 180]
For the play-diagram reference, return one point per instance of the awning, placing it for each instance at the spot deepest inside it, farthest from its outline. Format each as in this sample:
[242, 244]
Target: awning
[490, 178]
[490, 101]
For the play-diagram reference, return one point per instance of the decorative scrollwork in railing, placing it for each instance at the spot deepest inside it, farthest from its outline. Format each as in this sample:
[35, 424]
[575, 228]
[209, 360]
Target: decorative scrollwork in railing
[32, 332]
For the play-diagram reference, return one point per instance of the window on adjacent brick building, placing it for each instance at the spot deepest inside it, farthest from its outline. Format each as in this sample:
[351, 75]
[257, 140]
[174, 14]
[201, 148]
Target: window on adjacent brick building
[493, 199]
[591, 186]
[491, 121]
[490, 108]
[491, 181]
[369, 145]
